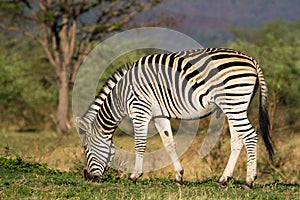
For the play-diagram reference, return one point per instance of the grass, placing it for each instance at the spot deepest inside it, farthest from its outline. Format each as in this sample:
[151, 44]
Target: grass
[25, 180]
[22, 176]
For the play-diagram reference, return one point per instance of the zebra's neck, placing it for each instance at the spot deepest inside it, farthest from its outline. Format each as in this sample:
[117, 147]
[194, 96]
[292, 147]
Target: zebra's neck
[108, 115]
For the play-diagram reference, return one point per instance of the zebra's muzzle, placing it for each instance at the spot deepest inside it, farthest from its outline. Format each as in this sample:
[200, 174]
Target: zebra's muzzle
[90, 177]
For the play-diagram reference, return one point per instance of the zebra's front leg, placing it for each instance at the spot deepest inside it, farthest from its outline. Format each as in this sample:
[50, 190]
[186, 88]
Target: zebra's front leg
[140, 134]
[163, 126]
[138, 168]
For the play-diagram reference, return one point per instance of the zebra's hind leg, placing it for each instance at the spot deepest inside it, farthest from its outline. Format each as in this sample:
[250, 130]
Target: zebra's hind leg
[242, 133]
[236, 147]
[250, 139]
[163, 126]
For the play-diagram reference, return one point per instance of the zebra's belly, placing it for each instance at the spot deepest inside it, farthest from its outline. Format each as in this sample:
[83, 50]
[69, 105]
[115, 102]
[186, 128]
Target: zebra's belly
[184, 112]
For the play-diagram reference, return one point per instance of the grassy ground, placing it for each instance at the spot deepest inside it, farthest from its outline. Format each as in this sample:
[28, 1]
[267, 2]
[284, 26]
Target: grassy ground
[23, 180]
[279, 180]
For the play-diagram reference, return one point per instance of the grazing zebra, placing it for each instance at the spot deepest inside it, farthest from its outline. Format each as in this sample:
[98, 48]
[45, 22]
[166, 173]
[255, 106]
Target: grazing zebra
[184, 85]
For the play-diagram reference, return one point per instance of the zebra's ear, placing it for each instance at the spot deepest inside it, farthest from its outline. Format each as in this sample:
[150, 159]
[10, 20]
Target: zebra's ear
[82, 124]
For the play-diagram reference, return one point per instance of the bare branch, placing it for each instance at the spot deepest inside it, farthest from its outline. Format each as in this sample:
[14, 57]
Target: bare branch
[22, 31]
[42, 5]
[45, 45]
[116, 16]
[83, 51]
[32, 10]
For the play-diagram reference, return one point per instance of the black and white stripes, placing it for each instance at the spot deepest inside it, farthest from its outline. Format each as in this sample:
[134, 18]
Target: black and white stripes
[185, 85]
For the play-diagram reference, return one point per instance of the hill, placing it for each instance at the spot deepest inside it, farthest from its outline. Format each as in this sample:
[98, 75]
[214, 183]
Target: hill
[209, 22]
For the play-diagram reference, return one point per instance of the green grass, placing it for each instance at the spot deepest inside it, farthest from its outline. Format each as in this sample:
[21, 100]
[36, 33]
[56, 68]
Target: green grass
[25, 180]
[22, 176]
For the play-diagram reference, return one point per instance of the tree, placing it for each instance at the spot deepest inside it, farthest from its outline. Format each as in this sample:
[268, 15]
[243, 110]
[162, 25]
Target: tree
[67, 31]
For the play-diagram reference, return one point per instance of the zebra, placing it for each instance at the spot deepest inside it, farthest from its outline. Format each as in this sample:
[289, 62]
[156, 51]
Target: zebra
[187, 84]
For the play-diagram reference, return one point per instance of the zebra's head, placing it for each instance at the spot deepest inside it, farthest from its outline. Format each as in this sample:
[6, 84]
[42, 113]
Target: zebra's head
[98, 150]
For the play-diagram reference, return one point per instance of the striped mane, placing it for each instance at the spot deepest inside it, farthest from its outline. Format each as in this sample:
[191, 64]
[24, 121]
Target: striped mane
[110, 84]
[91, 112]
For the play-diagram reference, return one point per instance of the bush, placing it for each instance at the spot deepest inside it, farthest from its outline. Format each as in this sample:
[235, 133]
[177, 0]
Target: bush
[28, 92]
[276, 48]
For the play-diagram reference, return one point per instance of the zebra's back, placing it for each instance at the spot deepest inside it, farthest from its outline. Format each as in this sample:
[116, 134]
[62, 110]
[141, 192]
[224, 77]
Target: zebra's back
[192, 84]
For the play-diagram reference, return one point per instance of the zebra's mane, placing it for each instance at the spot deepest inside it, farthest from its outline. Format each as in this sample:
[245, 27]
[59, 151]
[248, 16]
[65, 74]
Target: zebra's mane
[111, 82]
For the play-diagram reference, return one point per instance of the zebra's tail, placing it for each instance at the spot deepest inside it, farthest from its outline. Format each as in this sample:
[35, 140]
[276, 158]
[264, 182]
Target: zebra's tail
[264, 121]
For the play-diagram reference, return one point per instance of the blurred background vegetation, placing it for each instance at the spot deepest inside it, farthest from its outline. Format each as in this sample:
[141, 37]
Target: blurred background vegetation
[29, 85]
[29, 94]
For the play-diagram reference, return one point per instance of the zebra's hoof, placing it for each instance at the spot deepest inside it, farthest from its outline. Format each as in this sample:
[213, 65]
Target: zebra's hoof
[220, 185]
[178, 178]
[179, 183]
[135, 177]
[246, 187]
[133, 180]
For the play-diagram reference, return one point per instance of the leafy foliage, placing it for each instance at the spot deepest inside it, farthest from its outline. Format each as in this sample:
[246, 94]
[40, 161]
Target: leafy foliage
[19, 165]
[27, 89]
[276, 48]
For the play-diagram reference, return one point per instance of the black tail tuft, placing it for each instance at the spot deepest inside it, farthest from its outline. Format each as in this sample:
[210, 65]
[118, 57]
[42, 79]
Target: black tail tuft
[264, 121]
[265, 128]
